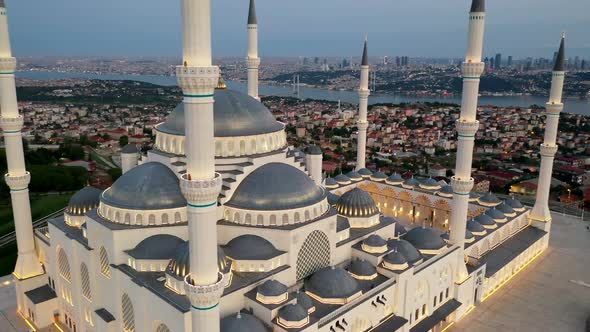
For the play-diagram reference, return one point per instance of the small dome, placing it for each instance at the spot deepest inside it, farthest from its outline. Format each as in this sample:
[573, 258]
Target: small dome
[235, 114]
[293, 312]
[411, 183]
[83, 201]
[475, 227]
[356, 203]
[342, 179]
[374, 241]
[430, 184]
[304, 300]
[354, 176]
[314, 150]
[506, 209]
[331, 183]
[514, 203]
[272, 288]
[332, 283]
[180, 265]
[332, 198]
[149, 186]
[250, 247]
[489, 199]
[496, 214]
[468, 235]
[485, 220]
[446, 191]
[406, 248]
[159, 246]
[365, 172]
[379, 177]
[362, 269]
[396, 258]
[425, 238]
[130, 149]
[242, 322]
[395, 179]
[276, 186]
[473, 196]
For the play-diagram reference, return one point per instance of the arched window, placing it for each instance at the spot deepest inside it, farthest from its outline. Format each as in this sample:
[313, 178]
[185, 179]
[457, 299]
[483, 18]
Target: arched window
[296, 217]
[162, 328]
[248, 219]
[85, 281]
[260, 220]
[127, 218]
[152, 219]
[128, 316]
[177, 217]
[273, 220]
[164, 218]
[139, 219]
[307, 217]
[105, 267]
[285, 219]
[64, 265]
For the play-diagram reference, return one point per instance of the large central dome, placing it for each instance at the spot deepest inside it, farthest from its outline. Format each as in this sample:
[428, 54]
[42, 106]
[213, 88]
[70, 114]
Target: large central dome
[236, 114]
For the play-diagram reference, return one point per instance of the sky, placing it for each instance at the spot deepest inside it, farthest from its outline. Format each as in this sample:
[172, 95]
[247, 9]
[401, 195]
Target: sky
[417, 28]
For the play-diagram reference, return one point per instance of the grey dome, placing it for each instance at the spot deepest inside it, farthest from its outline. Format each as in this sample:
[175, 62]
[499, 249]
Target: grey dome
[495, 214]
[365, 172]
[243, 322]
[395, 178]
[446, 190]
[473, 196]
[180, 264]
[332, 198]
[304, 300]
[406, 248]
[342, 179]
[411, 182]
[159, 246]
[250, 247]
[475, 227]
[293, 313]
[478, 6]
[149, 186]
[354, 176]
[374, 241]
[272, 288]
[356, 203]
[130, 149]
[514, 203]
[362, 268]
[446, 236]
[314, 150]
[378, 176]
[505, 208]
[395, 257]
[330, 182]
[83, 201]
[430, 184]
[276, 186]
[332, 283]
[485, 220]
[489, 198]
[425, 238]
[235, 114]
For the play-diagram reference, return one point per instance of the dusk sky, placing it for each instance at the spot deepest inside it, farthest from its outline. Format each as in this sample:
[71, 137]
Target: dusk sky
[429, 28]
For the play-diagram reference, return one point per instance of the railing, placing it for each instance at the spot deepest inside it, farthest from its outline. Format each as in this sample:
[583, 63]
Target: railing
[9, 238]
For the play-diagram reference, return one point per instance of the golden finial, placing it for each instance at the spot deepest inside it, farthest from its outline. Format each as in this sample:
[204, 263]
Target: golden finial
[221, 83]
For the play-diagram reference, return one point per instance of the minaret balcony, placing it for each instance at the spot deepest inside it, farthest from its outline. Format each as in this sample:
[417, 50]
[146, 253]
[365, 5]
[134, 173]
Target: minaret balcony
[252, 62]
[472, 69]
[16, 182]
[462, 186]
[548, 150]
[7, 65]
[11, 124]
[362, 125]
[204, 297]
[553, 108]
[201, 192]
[467, 128]
[197, 81]
[364, 93]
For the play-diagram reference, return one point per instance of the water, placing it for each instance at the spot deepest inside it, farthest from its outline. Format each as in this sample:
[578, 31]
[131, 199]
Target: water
[572, 105]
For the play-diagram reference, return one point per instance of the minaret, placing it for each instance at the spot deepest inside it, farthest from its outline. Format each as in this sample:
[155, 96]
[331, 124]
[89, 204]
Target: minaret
[17, 178]
[197, 78]
[467, 126]
[540, 213]
[363, 102]
[253, 61]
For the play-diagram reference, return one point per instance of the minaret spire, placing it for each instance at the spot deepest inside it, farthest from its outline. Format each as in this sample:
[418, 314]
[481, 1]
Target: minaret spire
[201, 185]
[17, 178]
[252, 60]
[540, 215]
[467, 126]
[362, 123]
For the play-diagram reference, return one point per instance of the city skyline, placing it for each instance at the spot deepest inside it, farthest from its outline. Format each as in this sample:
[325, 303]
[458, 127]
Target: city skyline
[112, 28]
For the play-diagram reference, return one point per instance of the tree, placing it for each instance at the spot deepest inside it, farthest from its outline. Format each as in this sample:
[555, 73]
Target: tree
[123, 140]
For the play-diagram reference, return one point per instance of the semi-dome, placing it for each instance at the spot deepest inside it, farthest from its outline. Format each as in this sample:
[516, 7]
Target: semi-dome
[250, 247]
[331, 183]
[356, 203]
[446, 191]
[342, 179]
[486, 221]
[515, 204]
[475, 228]
[430, 184]
[276, 186]
[333, 198]
[149, 186]
[180, 264]
[362, 269]
[497, 215]
[354, 176]
[365, 172]
[242, 322]
[425, 238]
[489, 199]
[235, 114]
[332, 283]
[406, 248]
[411, 183]
[83, 201]
[395, 178]
[159, 246]
[379, 177]
[272, 288]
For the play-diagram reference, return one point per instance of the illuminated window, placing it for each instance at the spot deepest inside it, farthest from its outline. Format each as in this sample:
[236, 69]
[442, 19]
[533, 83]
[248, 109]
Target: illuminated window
[105, 268]
[64, 265]
[128, 315]
[85, 281]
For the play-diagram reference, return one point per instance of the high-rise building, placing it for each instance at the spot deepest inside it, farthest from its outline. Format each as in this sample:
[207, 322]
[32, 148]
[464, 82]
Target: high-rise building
[498, 61]
[509, 64]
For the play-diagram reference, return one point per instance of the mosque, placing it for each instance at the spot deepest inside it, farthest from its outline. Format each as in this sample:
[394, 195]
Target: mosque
[224, 227]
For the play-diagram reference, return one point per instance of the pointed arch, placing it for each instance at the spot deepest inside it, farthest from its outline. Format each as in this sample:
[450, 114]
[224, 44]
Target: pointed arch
[313, 255]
